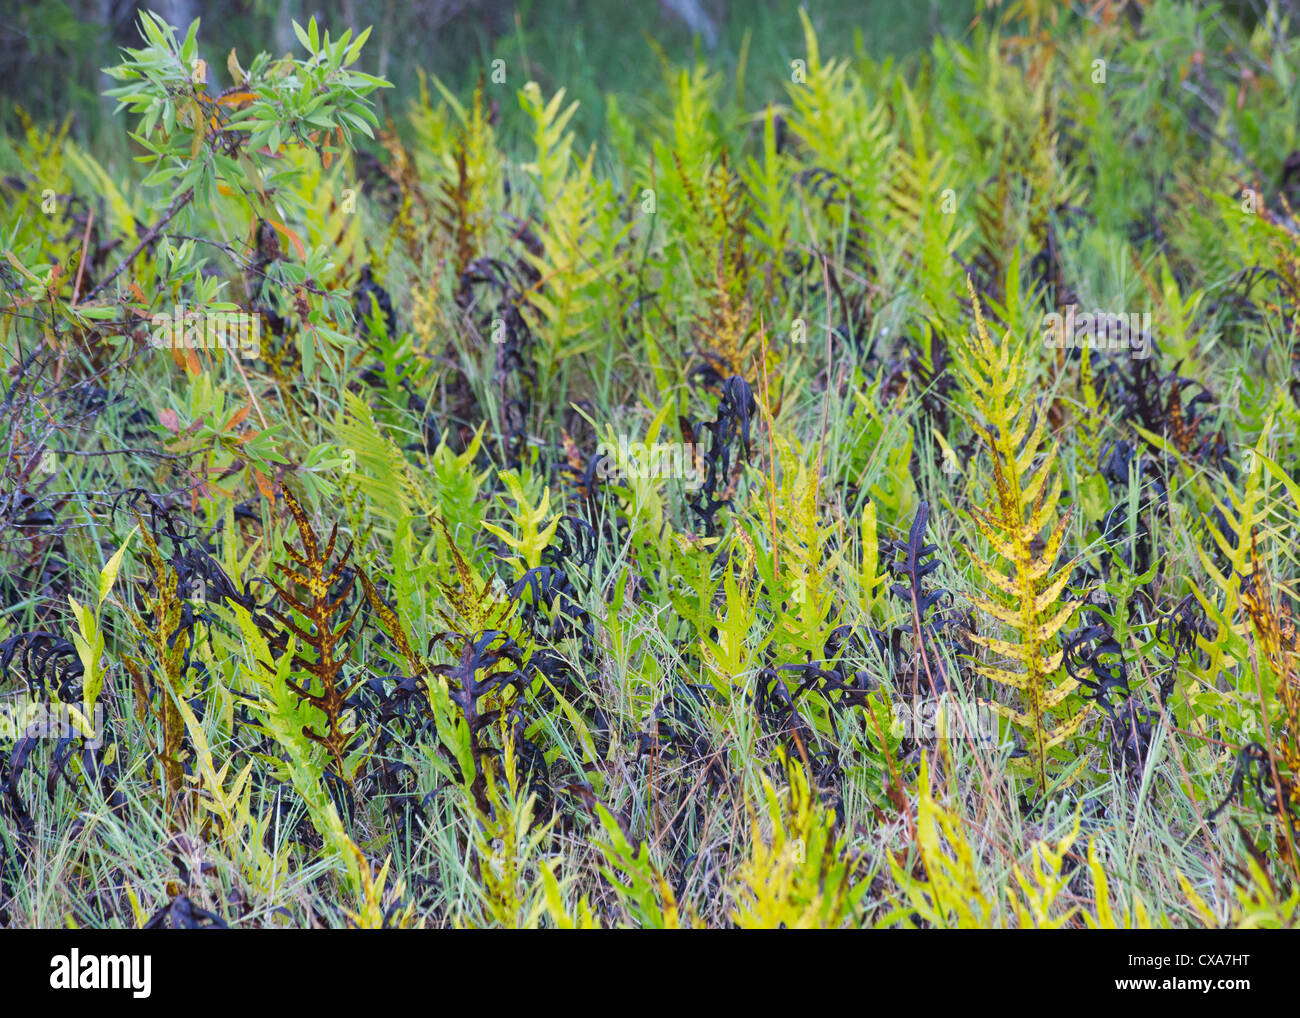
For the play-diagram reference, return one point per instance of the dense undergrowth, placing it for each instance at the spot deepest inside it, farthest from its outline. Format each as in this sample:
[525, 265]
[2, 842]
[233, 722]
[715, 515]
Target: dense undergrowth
[697, 527]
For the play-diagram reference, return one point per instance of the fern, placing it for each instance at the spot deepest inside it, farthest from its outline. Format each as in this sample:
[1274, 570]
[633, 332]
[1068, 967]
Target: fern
[380, 471]
[1278, 682]
[920, 177]
[285, 717]
[799, 874]
[846, 134]
[377, 907]
[164, 631]
[1239, 519]
[507, 843]
[766, 183]
[318, 672]
[578, 237]
[1258, 902]
[470, 190]
[724, 328]
[1042, 883]
[535, 525]
[947, 894]
[1025, 594]
[644, 893]
[800, 566]
[733, 638]
[580, 917]
[1135, 916]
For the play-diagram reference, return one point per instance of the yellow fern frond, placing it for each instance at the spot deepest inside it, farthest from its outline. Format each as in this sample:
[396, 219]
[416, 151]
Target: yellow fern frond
[1023, 595]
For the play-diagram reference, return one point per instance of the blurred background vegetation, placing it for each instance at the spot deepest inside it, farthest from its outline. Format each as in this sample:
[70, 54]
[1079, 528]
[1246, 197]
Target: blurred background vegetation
[51, 51]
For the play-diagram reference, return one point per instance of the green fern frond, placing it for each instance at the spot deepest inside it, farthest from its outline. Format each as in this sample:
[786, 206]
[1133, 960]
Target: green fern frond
[380, 471]
[798, 874]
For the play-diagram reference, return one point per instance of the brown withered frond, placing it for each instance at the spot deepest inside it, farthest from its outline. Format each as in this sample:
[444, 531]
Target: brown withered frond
[318, 669]
[1277, 638]
[164, 628]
